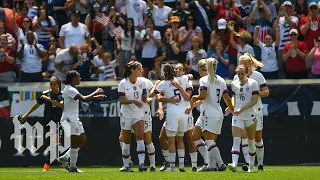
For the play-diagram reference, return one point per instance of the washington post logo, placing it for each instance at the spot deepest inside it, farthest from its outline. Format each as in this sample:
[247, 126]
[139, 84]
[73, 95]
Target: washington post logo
[34, 138]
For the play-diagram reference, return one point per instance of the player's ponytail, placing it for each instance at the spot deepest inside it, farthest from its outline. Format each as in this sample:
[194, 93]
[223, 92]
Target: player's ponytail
[130, 66]
[212, 64]
[69, 76]
[254, 63]
[168, 71]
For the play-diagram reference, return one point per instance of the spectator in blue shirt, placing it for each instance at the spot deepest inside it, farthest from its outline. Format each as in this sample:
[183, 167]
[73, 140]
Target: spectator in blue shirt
[223, 60]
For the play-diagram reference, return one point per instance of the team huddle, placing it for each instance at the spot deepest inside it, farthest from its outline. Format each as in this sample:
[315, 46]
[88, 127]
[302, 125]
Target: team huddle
[136, 93]
[175, 92]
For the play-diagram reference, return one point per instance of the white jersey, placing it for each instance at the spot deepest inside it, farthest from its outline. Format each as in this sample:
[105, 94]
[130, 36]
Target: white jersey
[170, 90]
[243, 95]
[211, 105]
[71, 104]
[132, 92]
[261, 83]
[149, 86]
[182, 79]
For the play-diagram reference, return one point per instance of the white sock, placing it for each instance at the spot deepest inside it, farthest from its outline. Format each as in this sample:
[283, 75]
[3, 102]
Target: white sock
[235, 150]
[194, 158]
[152, 155]
[212, 163]
[141, 151]
[125, 154]
[252, 152]
[121, 144]
[129, 158]
[73, 157]
[66, 155]
[181, 154]
[260, 152]
[165, 154]
[202, 148]
[172, 159]
[214, 151]
[245, 150]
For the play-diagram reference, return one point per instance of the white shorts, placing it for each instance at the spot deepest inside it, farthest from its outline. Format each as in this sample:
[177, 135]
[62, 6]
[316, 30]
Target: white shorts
[199, 122]
[190, 122]
[147, 119]
[177, 122]
[211, 124]
[127, 123]
[72, 127]
[259, 118]
[242, 123]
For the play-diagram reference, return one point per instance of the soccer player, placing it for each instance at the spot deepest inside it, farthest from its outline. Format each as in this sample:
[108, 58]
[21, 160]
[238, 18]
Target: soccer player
[70, 116]
[176, 120]
[132, 93]
[245, 92]
[250, 62]
[212, 89]
[53, 107]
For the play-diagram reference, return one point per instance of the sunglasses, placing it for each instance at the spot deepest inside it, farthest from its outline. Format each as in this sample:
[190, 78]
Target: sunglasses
[96, 5]
[190, 20]
[313, 8]
[293, 34]
[26, 21]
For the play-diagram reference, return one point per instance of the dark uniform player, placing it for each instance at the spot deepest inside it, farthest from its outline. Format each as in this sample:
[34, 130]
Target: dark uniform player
[53, 101]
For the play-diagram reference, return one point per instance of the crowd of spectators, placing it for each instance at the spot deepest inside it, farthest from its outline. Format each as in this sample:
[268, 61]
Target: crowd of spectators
[98, 38]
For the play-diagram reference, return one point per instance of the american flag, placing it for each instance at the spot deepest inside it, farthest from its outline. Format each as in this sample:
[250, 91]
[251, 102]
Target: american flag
[111, 27]
[117, 31]
[104, 20]
[123, 10]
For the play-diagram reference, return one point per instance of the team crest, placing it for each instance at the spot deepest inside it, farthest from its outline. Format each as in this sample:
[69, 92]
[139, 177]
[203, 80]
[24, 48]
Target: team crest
[314, 25]
[247, 89]
[134, 88]
[241, 89]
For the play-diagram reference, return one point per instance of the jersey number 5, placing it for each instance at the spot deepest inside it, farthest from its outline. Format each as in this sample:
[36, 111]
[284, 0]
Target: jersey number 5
[177, 93]
[136, 95]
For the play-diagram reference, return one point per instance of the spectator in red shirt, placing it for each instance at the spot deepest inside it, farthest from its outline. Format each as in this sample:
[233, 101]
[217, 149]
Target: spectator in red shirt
[227, 10]
[310, 28]
[23, 14]
[295, 54]
[6, 62]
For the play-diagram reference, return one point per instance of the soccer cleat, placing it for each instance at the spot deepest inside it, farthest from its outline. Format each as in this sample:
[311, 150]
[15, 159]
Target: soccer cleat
[194, 169]
[232, 168]
[223, 167]
[142, 168]
[260, 168]
[152, 169]
[64, 163]
[211, 169]
[46, 167]
[164, 166]
[182, 169]
[125, 169]
[245, 167]
[75, 169]
[171, 169]
[203, 168]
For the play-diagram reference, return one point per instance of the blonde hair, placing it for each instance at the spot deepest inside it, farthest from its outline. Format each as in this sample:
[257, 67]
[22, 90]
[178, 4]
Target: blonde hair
[212, 64]
[245, 36]
[105, 55]
[202, 64]
[254, 63]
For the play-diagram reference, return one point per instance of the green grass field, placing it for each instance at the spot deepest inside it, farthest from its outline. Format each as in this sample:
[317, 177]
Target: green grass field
[270, 173]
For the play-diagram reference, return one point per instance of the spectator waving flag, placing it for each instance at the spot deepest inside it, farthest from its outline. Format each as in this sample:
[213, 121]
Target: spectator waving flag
[123, 9]
[111, 28]
[117, 31]
[104, 20]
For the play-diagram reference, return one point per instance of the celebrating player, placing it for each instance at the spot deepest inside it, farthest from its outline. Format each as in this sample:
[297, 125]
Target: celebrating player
[250, 62]
[212, 89]
[70, 116]
[176, 119]
[132, 93]
[53, 107]
[245, 91]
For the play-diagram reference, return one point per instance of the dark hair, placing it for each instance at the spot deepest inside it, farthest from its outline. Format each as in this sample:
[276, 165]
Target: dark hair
[92, 12]
[58, 80]
[132, 29]
[30, 26]
[47, 16]
[168, 71]
[132, 65]
[69, 76]
[194, 26]
[302, 10]
[109, 7]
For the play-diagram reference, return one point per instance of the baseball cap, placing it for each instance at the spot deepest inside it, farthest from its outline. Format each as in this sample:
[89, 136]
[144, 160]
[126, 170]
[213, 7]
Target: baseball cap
[222, 24]
[76, 12]
[174, 19]
[287, 3]
[313, 4]
[293, 31]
